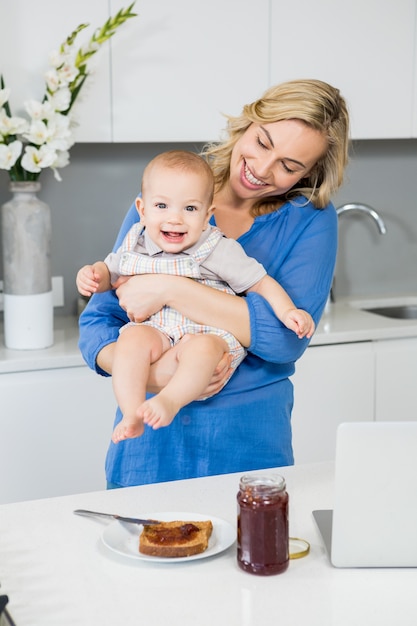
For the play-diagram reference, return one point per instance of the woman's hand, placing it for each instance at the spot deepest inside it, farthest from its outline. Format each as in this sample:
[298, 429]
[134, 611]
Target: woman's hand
[141, 296]
[162, 371]
[219, 378]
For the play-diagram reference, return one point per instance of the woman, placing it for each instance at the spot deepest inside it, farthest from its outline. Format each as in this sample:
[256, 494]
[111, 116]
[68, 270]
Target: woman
[275, 172]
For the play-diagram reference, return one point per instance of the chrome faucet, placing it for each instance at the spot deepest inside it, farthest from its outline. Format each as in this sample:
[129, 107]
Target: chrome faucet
[366, 210]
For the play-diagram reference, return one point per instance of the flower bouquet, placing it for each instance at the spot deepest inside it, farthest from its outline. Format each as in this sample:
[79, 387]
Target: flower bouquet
[27, 146]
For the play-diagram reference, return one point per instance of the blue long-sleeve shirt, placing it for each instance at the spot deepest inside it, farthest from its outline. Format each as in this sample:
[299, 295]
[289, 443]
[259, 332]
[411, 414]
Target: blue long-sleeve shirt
[248, 424]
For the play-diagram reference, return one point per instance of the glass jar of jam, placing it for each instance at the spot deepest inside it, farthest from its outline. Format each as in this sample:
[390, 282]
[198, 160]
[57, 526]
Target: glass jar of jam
[262, 524]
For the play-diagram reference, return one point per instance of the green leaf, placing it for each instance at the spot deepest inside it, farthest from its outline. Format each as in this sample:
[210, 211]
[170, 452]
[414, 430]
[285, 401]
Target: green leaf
[100, 36]
[70, 40]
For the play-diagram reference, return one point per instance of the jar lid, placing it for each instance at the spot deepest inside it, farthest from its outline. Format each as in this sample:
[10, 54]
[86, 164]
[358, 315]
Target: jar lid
[298, 548]
[263, 481]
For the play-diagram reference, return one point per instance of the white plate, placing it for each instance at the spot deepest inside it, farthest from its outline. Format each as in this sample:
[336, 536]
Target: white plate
[124, 538]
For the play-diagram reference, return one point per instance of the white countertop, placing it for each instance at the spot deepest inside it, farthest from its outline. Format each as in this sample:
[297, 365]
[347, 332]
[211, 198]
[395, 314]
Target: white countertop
[343, 322]
[346, 322]
[57, 572]
[63, 353]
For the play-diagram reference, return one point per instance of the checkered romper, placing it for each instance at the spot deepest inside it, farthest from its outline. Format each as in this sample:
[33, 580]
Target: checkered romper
[168, 320]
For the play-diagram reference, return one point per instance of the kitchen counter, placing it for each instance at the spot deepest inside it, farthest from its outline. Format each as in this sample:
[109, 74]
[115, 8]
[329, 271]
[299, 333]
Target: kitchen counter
[344, 321]
[63, 353]
[57, 571]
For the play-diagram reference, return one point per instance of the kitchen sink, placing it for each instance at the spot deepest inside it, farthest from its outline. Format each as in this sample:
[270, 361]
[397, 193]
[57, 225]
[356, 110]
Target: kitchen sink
[401, 312]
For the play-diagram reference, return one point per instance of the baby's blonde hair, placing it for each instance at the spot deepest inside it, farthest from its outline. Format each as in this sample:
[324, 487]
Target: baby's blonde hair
[321, 107]
[182, 160]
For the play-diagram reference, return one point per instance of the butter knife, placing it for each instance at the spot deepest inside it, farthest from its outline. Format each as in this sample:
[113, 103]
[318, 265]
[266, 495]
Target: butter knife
[120, 518]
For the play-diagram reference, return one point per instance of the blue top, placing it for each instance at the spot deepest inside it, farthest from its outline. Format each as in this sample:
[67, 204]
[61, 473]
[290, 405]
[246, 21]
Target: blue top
[247, 425]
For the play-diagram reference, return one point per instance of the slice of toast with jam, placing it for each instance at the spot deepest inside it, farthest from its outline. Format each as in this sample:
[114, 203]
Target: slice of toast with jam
[175, 539]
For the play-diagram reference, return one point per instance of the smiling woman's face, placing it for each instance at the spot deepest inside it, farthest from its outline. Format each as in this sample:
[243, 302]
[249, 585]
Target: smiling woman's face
[269, 159]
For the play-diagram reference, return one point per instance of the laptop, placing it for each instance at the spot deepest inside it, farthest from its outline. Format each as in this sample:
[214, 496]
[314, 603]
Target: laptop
[374, 520]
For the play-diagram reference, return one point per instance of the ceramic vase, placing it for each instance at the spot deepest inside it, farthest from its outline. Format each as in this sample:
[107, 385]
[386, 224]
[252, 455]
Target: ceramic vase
[27, 282]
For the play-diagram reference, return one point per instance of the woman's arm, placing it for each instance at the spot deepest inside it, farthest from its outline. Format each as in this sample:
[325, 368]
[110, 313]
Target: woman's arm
[299, 321]
[143, 295]
[302, 262]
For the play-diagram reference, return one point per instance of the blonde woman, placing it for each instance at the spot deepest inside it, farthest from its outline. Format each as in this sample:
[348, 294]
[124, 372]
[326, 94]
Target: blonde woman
[275, 172]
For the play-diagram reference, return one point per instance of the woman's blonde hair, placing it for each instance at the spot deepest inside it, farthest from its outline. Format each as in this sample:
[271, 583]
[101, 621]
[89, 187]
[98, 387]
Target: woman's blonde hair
[317, 104]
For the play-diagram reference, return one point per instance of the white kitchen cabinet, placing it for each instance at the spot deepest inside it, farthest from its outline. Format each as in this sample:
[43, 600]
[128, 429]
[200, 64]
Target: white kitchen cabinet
[367, 49]
[55, 427]
[396, 388]
[176, 69]
[179, 66]
[30, 31]
[332, 384]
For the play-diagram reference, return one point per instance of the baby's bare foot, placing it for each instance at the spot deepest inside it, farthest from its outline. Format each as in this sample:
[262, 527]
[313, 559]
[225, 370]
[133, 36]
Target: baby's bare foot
[128, 429]
[157, 412]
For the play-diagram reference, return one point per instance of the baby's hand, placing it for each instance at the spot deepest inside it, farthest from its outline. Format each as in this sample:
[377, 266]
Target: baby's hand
[300, 322]
[88, 280]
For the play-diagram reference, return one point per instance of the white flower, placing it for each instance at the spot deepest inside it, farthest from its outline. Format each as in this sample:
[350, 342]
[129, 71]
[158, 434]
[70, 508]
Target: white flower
[34, 159]
[60, 100]
[62, 160]
[49, 128]
[59, 125]
[11, 125]
[4, 96]
[38, 133]
[59, 134]
[55, 132]
[39, 110]
[67, 72]
[57, 175]
[55, 58]
[9, 154]
[52, 80]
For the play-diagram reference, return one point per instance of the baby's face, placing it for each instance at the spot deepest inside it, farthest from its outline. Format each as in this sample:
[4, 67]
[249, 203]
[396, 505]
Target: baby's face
[175, 208]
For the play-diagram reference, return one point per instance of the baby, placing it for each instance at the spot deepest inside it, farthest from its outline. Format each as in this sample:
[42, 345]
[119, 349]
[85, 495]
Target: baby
[174, 237]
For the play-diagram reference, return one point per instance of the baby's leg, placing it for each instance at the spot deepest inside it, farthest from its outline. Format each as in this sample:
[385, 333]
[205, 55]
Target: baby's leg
[136, 348]
[197, 360]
